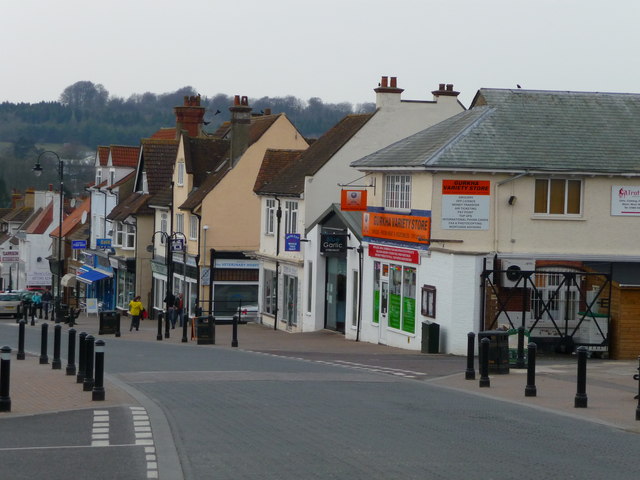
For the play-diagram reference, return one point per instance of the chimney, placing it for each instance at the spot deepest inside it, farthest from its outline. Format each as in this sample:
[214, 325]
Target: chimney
[240, 124]
[388, 91]
[445, 91]
[190, 117]
[16, 199]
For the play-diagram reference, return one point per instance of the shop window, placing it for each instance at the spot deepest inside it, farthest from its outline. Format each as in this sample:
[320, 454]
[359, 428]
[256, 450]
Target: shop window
[355, 298]
[290, 313]
[269, 293]
[428, 301]
[401, 301]
[309, 286]
[558, 196]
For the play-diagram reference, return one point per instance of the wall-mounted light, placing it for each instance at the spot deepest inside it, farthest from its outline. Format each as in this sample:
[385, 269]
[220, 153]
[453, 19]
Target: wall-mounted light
[512, 200]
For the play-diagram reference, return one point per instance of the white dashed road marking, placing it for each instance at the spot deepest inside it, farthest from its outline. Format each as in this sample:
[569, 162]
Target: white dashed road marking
[144, 436]
[100, 430]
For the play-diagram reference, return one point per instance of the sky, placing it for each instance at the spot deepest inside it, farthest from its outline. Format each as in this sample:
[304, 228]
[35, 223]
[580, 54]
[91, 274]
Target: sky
[336, 50]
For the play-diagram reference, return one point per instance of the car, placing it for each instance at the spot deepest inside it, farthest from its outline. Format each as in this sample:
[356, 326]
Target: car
[10, 304]
[247, 313]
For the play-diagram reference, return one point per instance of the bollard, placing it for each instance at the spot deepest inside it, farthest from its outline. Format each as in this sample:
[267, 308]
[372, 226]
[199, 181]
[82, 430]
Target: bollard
[56, 364]
[5, 377]
[81, 356]
[159, 336]
[32, 310]
[167, 325]
[638, 396]
[97, 394]
[21, 340]
[581, 394]
[520, 358]
[470, 373]
[530, 390]
[44, 358]
[234, 335]
[484, 363]
[71, 352]
[87, 384]
[185, 321]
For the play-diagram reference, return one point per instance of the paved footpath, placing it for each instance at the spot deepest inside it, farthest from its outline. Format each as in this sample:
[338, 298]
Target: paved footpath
[38, 388]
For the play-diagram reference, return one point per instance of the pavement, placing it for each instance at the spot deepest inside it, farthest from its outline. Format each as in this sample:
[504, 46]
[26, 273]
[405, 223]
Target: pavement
[610, 387]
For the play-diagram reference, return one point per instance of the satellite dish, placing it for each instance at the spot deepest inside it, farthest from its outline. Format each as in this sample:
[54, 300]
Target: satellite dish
[83, 219]
[72, 202]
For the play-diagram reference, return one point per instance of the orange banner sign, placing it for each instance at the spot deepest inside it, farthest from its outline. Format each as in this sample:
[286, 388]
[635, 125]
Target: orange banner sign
[353, 200]
[405, 228]
[466, 187]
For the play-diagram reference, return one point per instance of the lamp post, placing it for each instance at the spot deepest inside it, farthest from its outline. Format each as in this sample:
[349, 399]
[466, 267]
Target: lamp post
[168, 262]
[205, 229]
[37, 170]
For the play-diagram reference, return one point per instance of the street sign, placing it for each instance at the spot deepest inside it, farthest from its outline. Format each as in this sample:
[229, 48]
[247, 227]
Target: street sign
[10, 256]
[103, 242]
[78, 244]
[177, 245]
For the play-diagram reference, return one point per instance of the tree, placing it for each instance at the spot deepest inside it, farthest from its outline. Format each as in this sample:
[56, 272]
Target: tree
[84, 96]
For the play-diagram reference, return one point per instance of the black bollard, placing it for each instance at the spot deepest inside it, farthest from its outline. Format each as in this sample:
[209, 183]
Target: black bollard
[520, 358]
[159, 336]
[213, 330]
[167, 325]
[81, 356]
[21, 340]
[5, 379]
[44, 358]
[638, 397]
[530, 390]
[57, 333]
[87, 384]
[581, 394]
[484, 363]
[234, 335]
[185, 321]
[71, 352]
[97, 394]
[32, 309]
[470, 372]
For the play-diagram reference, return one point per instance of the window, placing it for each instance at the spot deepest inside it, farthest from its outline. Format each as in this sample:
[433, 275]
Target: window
[269, 216]
[354, 298]
[129, 236]
[290, 217]
[112, 177]
[180, 174]
[193, 227]
[558, 196]
[118, 234]
[309, 286]
[429, 301]
[290, 299]
[269, 294]
[98, 177]
[180, 222]
[398, 192]
[163, 227]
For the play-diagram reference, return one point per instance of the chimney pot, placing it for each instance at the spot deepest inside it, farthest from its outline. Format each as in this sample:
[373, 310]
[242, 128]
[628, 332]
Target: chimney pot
[441, 86]
[267, 111]
[384, 82]
[245, 101]
[449, 87]
[236, 100]
[394, 82]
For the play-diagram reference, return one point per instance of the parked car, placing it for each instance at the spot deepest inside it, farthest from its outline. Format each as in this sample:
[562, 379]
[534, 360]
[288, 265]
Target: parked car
[247, 313]
[10, 304]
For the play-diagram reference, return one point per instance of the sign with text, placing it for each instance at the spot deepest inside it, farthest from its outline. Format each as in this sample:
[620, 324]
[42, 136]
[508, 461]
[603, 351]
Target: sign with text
[177, 245]
[466, 204]
[78, 244]
[42, 278]
[405, 228]
[103, 243]
[292, 242]
[625, 200]
[351, 200]
[333, 243]
[10, 256]
[394, 254]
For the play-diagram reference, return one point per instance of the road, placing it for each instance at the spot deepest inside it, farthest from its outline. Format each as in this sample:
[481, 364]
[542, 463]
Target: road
[225, 413]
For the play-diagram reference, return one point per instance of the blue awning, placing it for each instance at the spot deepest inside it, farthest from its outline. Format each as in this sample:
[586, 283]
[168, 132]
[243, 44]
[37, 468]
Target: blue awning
[89, 276]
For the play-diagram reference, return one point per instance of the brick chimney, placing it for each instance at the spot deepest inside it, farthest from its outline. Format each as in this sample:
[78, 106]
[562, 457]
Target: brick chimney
[388, 91]
[240, 124]
[190, 117]
[445, 91]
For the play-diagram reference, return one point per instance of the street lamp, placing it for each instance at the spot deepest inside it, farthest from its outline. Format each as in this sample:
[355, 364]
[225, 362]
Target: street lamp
[37, 170]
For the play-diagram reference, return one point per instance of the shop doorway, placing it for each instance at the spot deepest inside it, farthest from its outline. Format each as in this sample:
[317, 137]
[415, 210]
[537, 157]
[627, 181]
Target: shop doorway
[335, 294]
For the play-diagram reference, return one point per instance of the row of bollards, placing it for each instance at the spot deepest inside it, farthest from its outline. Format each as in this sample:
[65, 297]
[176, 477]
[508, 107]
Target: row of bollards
[581, 398]
[210, 337]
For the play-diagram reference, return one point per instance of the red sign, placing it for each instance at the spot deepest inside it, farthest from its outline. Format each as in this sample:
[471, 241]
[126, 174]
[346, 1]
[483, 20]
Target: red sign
[353, 200]
[396, 254]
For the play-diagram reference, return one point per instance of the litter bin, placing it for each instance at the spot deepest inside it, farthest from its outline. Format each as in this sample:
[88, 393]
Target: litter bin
[205, 330]
[498, 350]
[430, 337]
[62, 313]
[109, 323]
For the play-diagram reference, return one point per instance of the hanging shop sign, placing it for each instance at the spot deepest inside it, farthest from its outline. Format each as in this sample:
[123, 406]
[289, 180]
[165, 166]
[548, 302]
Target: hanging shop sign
[78, 244]
[353, 200]
[103, 242]
[466, 204]
[333, 243]
[292, 242]
[404, 228]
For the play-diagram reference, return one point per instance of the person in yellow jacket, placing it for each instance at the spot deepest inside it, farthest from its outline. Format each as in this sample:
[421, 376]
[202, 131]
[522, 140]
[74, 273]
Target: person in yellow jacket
[135, 310]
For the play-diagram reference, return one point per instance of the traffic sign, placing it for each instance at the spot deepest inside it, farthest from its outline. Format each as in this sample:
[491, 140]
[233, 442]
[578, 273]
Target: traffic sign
[78, 244]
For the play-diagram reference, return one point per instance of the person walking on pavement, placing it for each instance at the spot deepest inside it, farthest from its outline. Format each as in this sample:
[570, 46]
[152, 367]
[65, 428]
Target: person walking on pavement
[46, 302]
[170, 302]
[135, 310]
[180, 308]
[37, 304]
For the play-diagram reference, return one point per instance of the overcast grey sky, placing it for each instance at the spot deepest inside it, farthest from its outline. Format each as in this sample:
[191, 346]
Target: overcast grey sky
[333, 49]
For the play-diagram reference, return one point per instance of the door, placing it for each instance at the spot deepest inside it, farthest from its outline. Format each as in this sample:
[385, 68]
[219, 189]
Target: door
[335, 293]
[384, 311]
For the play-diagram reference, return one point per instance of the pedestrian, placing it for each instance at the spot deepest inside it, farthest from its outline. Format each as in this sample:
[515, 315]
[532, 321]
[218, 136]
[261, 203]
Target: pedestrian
[170, 302]
[37, 304]
[46, 302]
[180, 309]
[135, 310]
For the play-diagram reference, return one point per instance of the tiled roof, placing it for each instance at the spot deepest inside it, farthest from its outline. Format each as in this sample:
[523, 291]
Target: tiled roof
[158, 157]
[273, 176]
[40, 220]
[212, 179]
[161, 199]
[74, 219]
[134, 204]
[124, 156]
[202, 156]
[165, 134]
[129, 178]
[103, 156]
[18, 214]
[352, 219]
[4, 211]
[527, 130]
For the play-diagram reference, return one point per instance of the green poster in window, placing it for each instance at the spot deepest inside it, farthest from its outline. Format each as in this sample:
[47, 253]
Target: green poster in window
[376, 306]
[394, 311]
[409, 315]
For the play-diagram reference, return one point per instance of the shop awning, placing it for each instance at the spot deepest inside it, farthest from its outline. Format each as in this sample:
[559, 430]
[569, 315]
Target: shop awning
[68, 280]
[89, 275]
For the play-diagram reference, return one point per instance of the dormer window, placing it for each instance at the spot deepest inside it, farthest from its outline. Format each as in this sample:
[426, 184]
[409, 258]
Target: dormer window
[98, 177]
[112, 177]
[180, 174]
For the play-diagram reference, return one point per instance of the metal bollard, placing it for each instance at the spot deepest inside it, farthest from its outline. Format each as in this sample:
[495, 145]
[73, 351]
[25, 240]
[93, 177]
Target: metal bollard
[21, 340]
[159, 336]
[520, 358]
[81, 356]
[234, 335]
[44, 358]
[56, 364]
[71, 352]
[5, 379]
[87, 384]
[32, 310]
[97, 394]
[581, 394]
[470, 372]
[530, 390]
[185, 321]
[484, 363]
[167, 325]
[638, 396]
